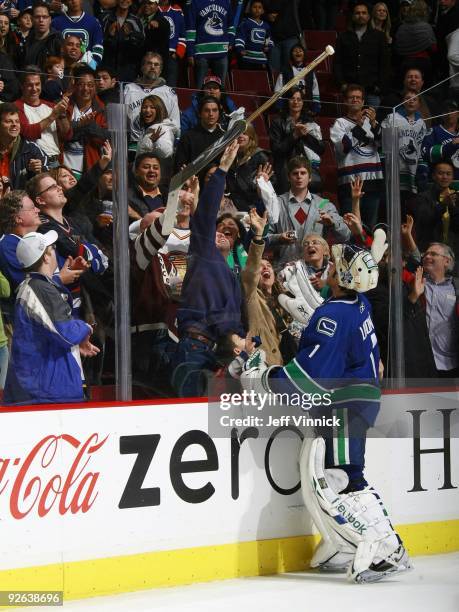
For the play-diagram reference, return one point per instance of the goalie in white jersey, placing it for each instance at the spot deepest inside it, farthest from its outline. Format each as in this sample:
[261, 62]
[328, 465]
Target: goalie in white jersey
[338, 354]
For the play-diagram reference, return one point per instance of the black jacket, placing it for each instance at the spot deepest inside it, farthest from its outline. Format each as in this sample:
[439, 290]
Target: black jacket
[36, 51]
[194, 142]
[11, 90]
[123, 50]
[284, 146]
[428, 212]
[365, 61]
[23, 151]
[157, 39]
[286, 24]
[240, 181]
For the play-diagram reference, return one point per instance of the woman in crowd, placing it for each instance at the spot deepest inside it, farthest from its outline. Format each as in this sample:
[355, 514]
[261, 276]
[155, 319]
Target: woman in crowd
[266, 318]
[316, 261]
[9, 85]
[158, 131]
[240, 180]
[293, 133]
[380, 20]
[77, 192]
[232, 228]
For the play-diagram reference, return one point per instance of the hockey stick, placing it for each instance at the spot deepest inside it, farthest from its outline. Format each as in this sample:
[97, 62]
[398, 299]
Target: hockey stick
[235, 130]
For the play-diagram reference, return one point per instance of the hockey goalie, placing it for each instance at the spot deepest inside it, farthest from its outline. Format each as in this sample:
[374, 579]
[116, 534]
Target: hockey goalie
[338, 354]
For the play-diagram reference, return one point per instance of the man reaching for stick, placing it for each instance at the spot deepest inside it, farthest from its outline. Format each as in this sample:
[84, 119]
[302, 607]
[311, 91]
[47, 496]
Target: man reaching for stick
[210, 310]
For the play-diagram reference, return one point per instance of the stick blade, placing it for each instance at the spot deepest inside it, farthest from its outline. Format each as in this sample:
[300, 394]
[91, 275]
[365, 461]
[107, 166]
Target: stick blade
[195, 167]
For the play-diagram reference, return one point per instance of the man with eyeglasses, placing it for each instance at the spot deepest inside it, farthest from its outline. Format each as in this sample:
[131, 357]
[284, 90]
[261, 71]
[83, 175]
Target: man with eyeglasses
[71, 241]
[438, 293]
[18, 217]
[43, 40]
[150, 83]
[355, 138]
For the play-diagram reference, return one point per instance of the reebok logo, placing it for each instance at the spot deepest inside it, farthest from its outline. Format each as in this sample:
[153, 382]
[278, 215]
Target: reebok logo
[357, 525]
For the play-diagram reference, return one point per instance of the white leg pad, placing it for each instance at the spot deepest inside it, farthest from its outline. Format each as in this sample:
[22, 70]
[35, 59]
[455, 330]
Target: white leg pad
[332, 552]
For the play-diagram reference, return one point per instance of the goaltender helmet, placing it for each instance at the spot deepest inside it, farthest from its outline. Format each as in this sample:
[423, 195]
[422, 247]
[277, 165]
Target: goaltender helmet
[355, 267]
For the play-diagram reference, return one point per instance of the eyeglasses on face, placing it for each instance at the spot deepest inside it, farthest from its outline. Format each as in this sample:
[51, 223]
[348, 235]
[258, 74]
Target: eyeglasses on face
[433, 254]
[53, 186]
[307, 243]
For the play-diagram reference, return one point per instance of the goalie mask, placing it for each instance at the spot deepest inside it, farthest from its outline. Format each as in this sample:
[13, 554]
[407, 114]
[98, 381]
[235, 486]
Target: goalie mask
[355, 267]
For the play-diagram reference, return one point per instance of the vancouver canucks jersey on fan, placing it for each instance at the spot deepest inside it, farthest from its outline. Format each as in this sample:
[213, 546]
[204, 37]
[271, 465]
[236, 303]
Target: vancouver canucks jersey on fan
[439, 145]
[174, 16]
[87, 28]
[253, 37]
[338, 350]
[209, 27]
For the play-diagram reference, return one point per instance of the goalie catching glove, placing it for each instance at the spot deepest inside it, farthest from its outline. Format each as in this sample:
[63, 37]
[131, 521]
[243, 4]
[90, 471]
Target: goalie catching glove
[305, 300]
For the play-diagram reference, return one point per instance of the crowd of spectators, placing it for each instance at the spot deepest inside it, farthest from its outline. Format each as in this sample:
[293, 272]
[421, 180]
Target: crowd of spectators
[251, 240]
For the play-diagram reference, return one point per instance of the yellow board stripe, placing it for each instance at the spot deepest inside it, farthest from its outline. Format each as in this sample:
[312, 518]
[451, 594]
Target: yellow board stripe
[113, 575]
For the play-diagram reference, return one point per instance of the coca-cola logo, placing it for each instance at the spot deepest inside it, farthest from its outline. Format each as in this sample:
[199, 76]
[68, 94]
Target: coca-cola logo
[33, 487]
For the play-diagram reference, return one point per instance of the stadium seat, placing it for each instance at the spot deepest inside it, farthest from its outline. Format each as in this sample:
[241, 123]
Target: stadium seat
[325, 66]
[249, 102]
[319, 39]
[262, 133]
[341, 22]
[327, 83]
[325, 125]
[255, 81]
[329, 178]
[184, 97]
[328, 157]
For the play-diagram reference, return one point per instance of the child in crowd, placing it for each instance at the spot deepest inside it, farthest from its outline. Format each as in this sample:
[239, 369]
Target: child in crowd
[253, 39]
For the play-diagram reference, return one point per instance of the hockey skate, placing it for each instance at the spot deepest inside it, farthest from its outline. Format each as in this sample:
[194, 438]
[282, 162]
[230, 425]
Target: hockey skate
[398, 561]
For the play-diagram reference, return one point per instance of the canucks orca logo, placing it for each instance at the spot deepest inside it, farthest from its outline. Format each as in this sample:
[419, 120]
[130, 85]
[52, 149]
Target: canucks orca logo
[172, 26]
[214, 25]
[326, 326]
[408, 153]
[257, 35]
[455, 159]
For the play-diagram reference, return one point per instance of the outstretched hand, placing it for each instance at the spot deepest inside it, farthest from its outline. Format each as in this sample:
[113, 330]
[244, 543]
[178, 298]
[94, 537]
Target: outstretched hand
[258, 223]
[229, 156]
[407, 227]
[354, 223]
[265, 171]
[417, 285]
[356, 188]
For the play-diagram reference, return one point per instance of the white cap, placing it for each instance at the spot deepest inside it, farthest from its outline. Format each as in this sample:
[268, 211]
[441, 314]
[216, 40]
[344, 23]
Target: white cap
[32, 246]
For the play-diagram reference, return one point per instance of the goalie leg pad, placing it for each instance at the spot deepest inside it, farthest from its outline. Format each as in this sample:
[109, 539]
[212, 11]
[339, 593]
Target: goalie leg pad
[355, 523]
[333, 552]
